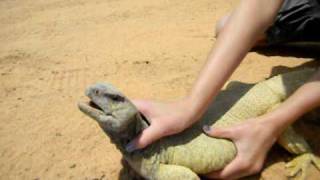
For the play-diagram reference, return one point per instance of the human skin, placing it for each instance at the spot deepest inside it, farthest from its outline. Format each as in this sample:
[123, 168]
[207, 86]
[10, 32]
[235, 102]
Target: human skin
[234, 41]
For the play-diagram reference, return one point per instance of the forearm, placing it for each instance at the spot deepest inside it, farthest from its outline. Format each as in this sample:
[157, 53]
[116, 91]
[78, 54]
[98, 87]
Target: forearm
[306, 98]
[248, 21]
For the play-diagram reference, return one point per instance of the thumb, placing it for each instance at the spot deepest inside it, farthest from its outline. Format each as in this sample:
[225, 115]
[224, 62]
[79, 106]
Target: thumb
[147, 136]
[218, 132]
[142, 105]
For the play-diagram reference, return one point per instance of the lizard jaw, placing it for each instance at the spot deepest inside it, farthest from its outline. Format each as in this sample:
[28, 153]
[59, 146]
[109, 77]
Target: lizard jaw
[90, 110]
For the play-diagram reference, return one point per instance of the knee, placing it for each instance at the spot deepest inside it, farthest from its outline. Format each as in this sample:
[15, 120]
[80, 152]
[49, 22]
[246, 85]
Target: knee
[220, 24]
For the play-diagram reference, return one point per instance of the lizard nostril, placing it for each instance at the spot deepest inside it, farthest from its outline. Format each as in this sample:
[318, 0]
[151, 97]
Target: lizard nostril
[96, 92]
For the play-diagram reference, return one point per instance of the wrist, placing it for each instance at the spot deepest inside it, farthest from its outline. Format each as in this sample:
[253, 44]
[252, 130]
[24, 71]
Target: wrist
[278, 120]
[269, 132]
[274, 128]
[191, 108]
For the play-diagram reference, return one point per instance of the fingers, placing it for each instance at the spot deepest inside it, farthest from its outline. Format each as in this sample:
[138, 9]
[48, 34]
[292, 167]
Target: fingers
[231, 171]
[236, 169]
[219, 132]
[148, 136]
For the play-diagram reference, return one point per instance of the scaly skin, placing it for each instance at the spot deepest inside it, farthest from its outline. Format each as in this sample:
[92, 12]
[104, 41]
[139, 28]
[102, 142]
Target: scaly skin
[191, 152]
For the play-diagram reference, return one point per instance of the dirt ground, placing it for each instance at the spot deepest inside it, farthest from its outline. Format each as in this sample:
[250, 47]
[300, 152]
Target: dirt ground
[51, 50]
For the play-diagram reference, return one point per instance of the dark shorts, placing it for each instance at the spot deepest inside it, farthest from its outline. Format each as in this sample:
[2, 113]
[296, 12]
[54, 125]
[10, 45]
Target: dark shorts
[297, 20]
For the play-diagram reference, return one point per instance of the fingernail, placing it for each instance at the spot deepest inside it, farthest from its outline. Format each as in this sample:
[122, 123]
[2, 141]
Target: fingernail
[206, 128]
[130, 147]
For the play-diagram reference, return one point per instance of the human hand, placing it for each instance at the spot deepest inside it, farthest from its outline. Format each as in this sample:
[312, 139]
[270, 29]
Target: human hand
[253, 139]
[166, 119]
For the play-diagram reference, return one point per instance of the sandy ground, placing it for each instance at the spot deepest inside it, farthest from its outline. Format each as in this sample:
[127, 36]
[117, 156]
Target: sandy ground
[51, 50]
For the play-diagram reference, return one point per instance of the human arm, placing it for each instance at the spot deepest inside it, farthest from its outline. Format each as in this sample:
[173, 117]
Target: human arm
[250, 19]
[255, 137]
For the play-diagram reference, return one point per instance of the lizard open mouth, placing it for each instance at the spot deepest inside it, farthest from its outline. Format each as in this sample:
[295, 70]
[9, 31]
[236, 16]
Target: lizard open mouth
[89, 107]
[94, 105]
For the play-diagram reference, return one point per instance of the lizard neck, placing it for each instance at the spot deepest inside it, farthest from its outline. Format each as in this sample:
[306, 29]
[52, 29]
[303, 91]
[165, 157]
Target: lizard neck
[121, 139]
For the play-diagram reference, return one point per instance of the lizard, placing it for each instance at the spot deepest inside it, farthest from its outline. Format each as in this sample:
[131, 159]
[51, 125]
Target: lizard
[192, 153]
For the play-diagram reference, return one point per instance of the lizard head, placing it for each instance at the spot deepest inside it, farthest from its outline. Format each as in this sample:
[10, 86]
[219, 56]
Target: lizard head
[109, 107]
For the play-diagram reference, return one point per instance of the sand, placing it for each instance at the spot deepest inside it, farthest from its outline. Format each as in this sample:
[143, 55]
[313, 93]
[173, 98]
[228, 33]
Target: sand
[51, 50]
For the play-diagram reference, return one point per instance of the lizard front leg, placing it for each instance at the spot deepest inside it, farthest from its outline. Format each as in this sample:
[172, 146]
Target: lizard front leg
[296, 144]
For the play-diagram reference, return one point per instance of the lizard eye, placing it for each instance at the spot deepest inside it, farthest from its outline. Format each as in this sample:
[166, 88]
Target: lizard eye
[96, 92]
[115, 97]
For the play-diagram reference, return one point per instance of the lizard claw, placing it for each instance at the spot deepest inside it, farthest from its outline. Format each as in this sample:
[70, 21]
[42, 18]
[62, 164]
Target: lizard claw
[302, 164]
